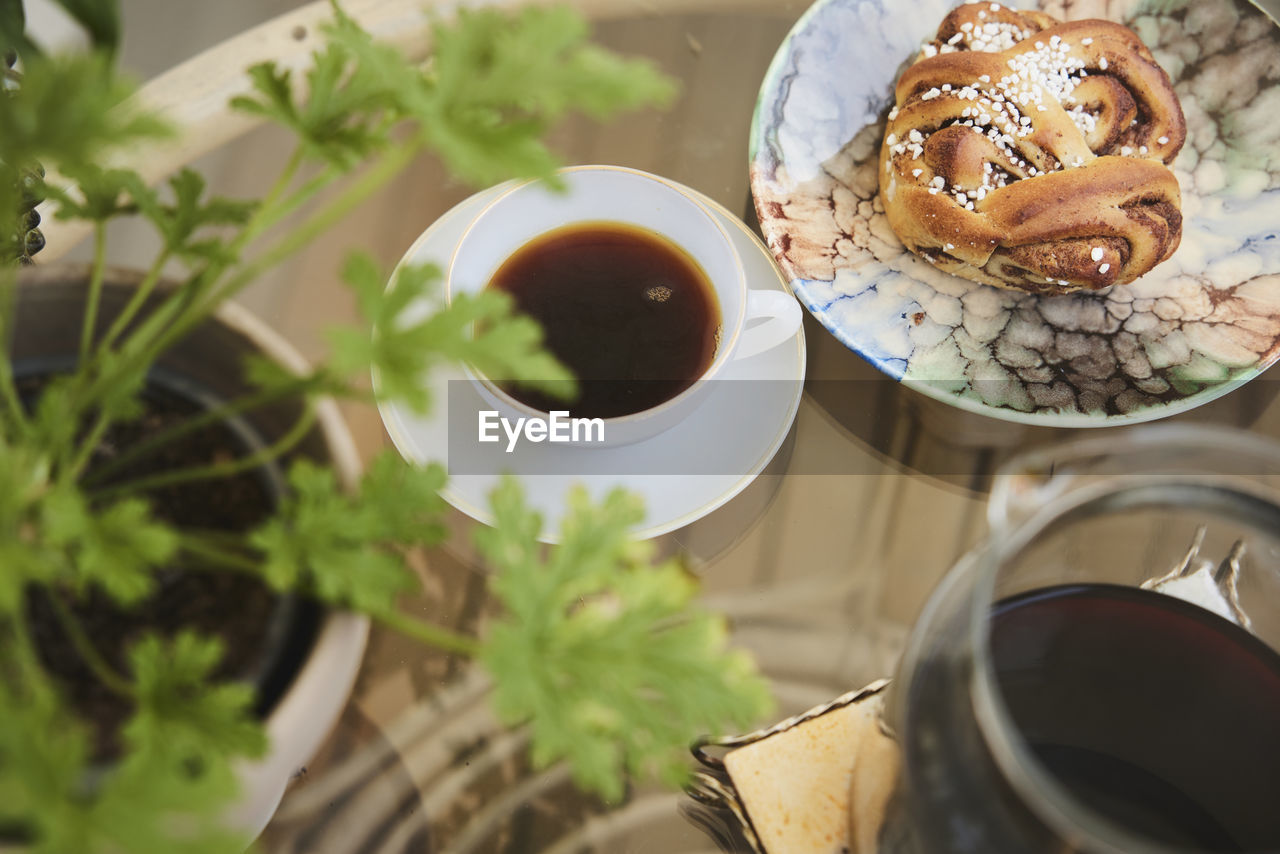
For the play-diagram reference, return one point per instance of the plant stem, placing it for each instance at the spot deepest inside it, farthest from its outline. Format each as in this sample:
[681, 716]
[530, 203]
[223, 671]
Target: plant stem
[25, 658]
[139, 298]
[199, 545]
[187, 307]
[84, 452]
[182, 310]
[429, 633]
[264, 216]
[10, 403]
[183, 303]
[276, 206]
[411, 627]
[106, 674]
[95, 289]
[209, 416]
[175, 305]
[285, 444]
[391, 164]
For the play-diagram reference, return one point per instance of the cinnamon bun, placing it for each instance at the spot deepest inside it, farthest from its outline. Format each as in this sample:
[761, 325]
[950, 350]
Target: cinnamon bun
[1028, 153]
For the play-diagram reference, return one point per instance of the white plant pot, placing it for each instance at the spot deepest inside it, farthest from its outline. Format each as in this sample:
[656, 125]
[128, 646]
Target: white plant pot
[308, 711]
[50, 306]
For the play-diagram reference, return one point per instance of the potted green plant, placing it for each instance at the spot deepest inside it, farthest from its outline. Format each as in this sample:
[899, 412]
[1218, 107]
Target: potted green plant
[128, 404]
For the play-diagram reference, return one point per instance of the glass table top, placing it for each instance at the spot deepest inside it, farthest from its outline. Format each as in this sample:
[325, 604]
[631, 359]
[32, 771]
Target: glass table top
[822, 563]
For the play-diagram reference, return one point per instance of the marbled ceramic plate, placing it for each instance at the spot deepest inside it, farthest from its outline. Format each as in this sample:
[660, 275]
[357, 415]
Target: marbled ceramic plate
[1192, 329]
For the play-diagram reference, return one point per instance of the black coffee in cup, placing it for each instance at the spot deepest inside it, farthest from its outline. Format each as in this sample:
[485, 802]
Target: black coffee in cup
[629, 312]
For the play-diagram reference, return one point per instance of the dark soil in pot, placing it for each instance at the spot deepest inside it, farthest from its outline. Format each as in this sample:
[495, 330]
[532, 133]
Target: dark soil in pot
[265, 636]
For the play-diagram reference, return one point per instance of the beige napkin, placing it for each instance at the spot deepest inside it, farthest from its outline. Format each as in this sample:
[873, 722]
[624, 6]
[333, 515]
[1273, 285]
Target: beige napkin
[817, 783]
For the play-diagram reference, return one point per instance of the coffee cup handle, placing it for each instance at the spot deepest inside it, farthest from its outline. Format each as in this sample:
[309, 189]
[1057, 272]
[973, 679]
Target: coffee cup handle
[783, 319]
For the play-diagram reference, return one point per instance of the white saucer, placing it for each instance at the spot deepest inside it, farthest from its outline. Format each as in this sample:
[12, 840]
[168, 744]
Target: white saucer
[742, 436]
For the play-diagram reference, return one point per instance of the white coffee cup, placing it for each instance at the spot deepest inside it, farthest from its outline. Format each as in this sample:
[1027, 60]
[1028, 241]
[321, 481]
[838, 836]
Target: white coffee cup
[618, 194]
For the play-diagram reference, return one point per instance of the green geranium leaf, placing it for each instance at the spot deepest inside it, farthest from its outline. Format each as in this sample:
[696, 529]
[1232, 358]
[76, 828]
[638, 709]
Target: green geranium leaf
[340, 115]
[406, 499]
[183, 222]
[43, 754]
[498, 81]
[414, 331]
[502, 80]
[24, 483]
[347, 549]
[69, 112]
[116, 547]
[595, 640]
[183, 716]
[99, 194]
[185, 734]
[120, 382]
[57, 415]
